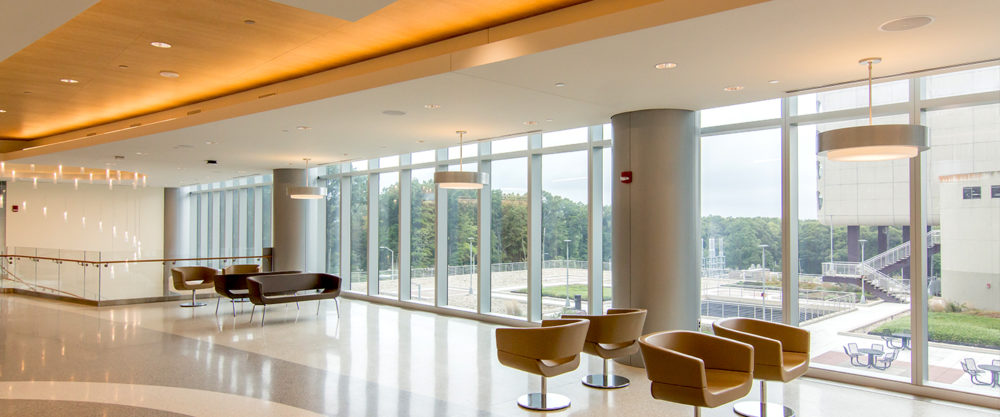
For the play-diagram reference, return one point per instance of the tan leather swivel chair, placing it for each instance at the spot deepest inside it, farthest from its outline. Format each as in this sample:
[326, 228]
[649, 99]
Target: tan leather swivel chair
[697, 369]
[611, 336]
[192, 278]
[781, 353]
[241, 269]
[550, 350]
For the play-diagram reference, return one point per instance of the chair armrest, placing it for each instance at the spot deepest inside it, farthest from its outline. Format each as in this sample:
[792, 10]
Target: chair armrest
[255, 291]
[671, 367]
[729, 355]
[766, 351]
[546, 342]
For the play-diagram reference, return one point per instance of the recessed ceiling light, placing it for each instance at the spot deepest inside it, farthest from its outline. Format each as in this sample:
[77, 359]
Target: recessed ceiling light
[560, 84]
[210, 142]
[169, 74]
[530, 123]
[3, 111]
[123, 66]
[733, 88]
[393, 112]
[141, 153]
[159, 44]
[548, 120]
[27, 92]
[68, 80]
[302, 128]
[665, 65]
[420, 141]
[773, 81]
[249, 21]
[905, 23]
[432, 106]
[183, 147]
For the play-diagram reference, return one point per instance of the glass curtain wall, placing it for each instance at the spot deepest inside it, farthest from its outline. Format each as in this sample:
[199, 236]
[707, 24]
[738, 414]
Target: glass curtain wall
[509, 238]
[230, 218]
[388, 232]
[359, 234]
[564, 231]
[463, 243]
[423, 237]
[333, 199]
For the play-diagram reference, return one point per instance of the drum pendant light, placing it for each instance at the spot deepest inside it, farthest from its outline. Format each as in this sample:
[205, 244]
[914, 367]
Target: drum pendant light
[306, 192]
[461, 180]
[873, 142]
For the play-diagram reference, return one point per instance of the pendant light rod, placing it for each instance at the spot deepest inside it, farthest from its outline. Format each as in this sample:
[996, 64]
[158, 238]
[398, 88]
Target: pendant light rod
[870, 61]
[461, 147]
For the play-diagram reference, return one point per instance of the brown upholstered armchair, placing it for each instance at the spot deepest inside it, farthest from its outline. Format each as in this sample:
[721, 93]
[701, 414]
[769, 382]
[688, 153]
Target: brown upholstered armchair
[611, 336]
[781, 353]
[193, 278]
[697, 369]
[550, 350]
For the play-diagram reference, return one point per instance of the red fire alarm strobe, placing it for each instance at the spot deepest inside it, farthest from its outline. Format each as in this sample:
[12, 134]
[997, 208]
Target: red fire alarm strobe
[14, 208]
[626, 177]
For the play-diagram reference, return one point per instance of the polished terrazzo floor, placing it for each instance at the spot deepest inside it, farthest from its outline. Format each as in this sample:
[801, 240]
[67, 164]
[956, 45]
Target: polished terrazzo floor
[160, 360]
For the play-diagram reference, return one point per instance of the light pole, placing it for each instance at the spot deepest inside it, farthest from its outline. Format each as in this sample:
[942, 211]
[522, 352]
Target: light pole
[763, 282]
[862, 242]
[392, 260]
[472, 266]
[566, 260]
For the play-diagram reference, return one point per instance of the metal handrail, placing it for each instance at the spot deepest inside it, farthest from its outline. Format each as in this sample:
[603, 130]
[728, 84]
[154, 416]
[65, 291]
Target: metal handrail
[128, 261]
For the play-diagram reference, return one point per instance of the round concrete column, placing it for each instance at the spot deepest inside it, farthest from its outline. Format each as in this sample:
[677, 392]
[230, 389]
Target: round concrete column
[288, 222]
[175, 236]
[656, 255]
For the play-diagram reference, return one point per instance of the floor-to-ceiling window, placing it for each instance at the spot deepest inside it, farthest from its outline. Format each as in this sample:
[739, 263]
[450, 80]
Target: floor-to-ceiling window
[509, 237]
[388, 233]
[230, 218]
[463, 244]
[564, 230]
[359, 234]
[423, 236]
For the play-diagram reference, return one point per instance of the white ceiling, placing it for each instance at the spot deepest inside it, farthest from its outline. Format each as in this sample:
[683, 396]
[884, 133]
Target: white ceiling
[802, 43]
[24, 22]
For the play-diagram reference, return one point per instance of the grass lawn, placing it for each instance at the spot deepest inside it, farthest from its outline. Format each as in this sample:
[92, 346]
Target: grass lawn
[559, 291]
[956, 328]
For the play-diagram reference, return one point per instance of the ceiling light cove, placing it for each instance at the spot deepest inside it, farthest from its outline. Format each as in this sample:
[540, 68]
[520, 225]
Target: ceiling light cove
[159, 44]
[665, 65]
[169, 74]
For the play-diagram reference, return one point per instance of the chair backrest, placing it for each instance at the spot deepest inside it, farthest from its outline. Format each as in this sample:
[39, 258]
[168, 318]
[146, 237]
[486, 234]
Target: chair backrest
[970, 365]
[556, 339]
[891, 356]
[852, 348]
[183, 274]
[280, 283]
[618, 326]
[241, 269]
[681, 357]
[878, 347]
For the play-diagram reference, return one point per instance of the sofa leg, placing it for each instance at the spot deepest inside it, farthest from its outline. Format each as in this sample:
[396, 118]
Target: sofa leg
[233, 303]
[337, 303]
[318, 304]
[252, 309]
[263, 313]
[697, 411]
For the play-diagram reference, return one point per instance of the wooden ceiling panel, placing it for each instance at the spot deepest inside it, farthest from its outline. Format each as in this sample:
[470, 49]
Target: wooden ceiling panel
[214, 50]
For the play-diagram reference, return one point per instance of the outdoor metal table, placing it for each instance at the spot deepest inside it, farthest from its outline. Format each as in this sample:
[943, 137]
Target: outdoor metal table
[905, 336]
[872, 354]
[995, 370]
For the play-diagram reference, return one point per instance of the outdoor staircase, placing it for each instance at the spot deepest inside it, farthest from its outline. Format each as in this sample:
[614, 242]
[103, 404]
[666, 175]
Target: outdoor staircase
[875, 272]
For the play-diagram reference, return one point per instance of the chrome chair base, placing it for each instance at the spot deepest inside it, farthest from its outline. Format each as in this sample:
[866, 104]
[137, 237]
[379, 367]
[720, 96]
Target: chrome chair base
[543, 402]
[754, 408]
[605, 382]
[192, 304]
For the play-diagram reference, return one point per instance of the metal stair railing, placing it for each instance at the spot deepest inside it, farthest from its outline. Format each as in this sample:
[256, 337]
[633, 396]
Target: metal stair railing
[900, 252]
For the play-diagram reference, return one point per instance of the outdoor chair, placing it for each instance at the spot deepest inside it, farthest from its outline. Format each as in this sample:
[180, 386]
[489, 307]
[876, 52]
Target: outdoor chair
[878, 347]
[996, 362]
[884, 362]
[889, 339]
[969, 366]
[852, 352]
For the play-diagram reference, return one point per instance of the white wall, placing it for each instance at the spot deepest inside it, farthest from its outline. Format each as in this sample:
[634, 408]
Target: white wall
[122, 223]
[970, 243]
